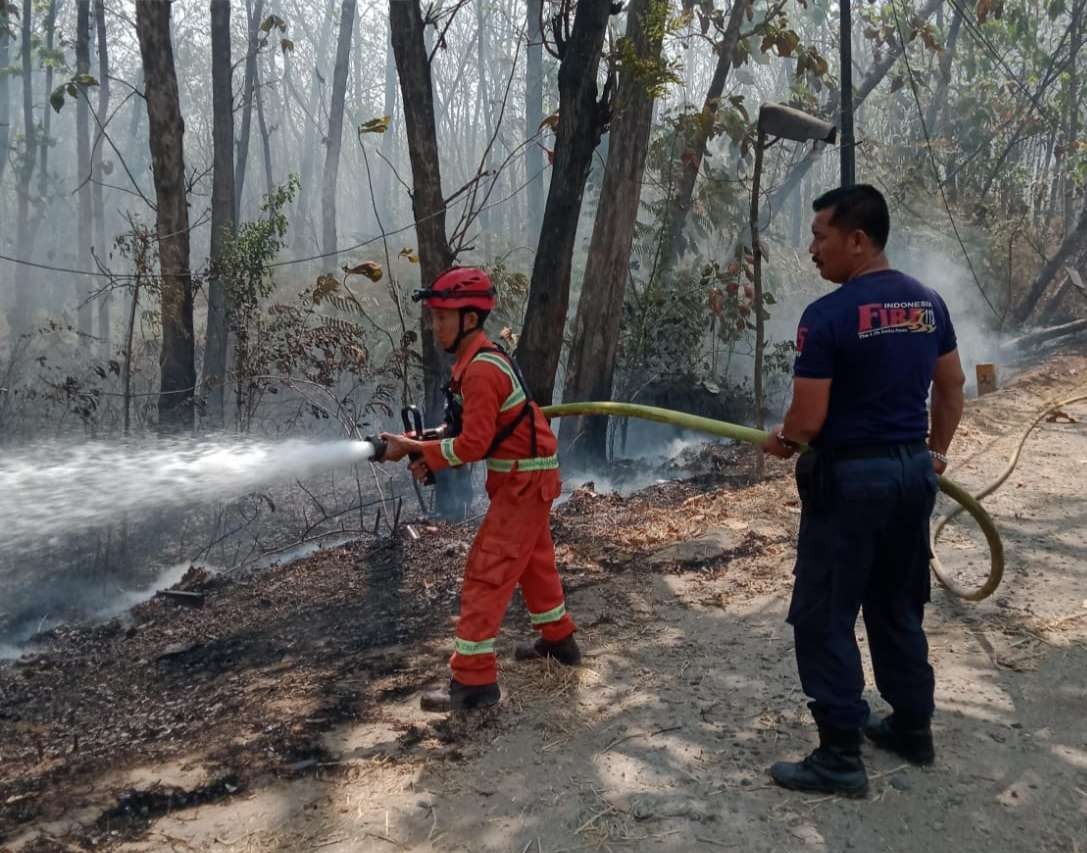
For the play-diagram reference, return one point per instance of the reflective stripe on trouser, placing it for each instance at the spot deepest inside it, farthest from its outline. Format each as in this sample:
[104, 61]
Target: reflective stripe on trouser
[513, 547]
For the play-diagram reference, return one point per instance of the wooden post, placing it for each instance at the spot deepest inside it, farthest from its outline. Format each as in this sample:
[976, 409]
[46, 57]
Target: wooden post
[986, 375]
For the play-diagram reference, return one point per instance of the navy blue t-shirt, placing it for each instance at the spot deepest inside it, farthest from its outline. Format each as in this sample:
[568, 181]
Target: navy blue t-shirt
[877, 337]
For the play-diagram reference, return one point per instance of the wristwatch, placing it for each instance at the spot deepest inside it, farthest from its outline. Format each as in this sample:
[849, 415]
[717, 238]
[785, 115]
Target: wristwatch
[937, 455]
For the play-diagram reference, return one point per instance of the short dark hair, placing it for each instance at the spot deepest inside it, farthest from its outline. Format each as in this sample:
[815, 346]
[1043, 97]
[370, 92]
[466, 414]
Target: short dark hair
[860, 207]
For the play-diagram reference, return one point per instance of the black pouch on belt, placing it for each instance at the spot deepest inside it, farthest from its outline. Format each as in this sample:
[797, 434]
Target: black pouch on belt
[809, 478]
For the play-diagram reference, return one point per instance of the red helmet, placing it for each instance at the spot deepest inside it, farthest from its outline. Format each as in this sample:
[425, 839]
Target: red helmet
[459, 287]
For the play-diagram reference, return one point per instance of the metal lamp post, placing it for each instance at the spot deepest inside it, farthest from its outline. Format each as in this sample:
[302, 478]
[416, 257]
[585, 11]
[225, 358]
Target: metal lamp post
[780, 122]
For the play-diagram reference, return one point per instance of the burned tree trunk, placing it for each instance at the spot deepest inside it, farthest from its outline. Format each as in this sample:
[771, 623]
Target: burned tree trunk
[582, 120]
[595, 345]
[166, 130]
[222, 209]
[335, 131]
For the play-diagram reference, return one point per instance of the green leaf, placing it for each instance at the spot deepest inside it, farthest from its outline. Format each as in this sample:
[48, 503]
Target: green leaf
[56, 99]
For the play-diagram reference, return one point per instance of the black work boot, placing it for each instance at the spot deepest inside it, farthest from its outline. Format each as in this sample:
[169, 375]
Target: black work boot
[460, 697]
[914, 743]
[835, 767]
[565, 651]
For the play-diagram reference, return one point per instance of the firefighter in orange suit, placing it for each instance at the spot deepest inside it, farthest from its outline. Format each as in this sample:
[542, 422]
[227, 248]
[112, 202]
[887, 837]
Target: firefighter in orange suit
[489, 415]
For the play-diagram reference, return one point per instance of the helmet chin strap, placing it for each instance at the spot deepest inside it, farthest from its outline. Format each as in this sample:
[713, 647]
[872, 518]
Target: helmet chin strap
[462, 333]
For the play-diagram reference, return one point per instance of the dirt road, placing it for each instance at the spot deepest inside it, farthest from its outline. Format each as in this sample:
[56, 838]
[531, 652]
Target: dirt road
[689, 691]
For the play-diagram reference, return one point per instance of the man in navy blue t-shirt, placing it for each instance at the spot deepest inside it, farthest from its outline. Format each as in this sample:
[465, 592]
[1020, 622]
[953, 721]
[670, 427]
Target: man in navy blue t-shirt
[867, 355]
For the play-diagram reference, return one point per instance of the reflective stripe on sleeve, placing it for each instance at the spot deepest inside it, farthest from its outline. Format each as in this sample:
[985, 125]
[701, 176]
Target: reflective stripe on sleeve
[449, 454]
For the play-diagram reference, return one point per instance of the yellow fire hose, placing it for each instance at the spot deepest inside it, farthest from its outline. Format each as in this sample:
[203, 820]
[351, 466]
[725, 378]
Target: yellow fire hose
[755, 436]
[994, 576]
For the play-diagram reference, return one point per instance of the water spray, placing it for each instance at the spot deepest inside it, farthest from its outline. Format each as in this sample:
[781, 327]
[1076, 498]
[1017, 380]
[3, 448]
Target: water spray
[54, 489]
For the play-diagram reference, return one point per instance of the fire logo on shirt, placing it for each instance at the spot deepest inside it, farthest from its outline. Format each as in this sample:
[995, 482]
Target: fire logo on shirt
[892, 317]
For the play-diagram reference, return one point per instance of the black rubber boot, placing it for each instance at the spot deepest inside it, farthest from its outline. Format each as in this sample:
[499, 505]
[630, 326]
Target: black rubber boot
[835, 767]
[565, 651]
[913, 744]
[460, 697]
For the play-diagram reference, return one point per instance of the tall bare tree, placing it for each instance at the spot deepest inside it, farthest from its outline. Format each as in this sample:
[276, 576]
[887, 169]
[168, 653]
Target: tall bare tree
[1074, 100]
[582, 120]
[534, 155]
[222, 209]
[5, 87]
[681, 196]
[83, 164]
[99, 198]
[47, 117]
[313, 129]
[428, 206]
[335, 129]
[24, 296]
[937, 107]
[595, 344]
[389, 138]
[166, 131]
[265, 137]
[248, 87]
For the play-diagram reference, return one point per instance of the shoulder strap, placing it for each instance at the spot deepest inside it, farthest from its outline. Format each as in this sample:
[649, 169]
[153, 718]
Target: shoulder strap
[526, 409]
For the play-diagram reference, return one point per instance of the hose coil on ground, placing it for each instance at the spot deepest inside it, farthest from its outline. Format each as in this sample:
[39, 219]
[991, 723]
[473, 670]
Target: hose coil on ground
[964, 499]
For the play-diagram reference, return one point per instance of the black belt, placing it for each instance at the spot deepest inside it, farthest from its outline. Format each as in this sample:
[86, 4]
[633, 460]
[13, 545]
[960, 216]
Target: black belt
[874, 451]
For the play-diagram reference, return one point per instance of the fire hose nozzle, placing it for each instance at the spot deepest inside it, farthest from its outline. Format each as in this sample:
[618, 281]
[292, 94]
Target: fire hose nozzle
[378, 445]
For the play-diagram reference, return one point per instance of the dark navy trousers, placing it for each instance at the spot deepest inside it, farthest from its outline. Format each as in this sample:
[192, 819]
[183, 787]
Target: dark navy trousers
[863, 545]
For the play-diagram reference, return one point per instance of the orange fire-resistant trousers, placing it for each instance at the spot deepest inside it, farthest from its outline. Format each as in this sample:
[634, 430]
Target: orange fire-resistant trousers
[513, 547]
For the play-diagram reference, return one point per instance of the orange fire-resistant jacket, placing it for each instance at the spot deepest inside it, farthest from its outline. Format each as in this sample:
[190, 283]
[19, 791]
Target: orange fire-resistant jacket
[492, 398]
